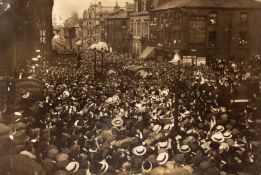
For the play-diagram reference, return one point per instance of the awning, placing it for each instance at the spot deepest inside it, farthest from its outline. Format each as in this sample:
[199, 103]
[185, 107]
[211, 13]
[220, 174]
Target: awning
[148, 52]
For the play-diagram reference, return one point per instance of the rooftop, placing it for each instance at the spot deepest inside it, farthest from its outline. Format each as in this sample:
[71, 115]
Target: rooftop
[209, 4]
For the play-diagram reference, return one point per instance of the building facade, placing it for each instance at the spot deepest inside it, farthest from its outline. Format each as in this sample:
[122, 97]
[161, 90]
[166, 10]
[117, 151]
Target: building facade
[26, 25]
[140, 24]
[116, 32]
[92, 23]
[207, 28]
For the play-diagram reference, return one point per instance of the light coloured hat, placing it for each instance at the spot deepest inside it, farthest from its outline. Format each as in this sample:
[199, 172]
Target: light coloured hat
[18, 113]
[227, 135]
[105, 167]
[66, 93]
[72, 167]
[224, 146]
[218, 137]
[220, 128]
[163, 144]
[118, 122]
[184, 149]
[139, 150]
[168, 126]
[156, 128]
[162, 158]
[28, 154]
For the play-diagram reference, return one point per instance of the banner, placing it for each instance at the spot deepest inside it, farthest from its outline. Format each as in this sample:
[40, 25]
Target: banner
[187, 60]
[201, 61]
[33, 86]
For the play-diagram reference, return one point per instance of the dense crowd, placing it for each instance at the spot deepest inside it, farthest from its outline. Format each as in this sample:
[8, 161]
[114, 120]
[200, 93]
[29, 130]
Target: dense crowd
[124, 123]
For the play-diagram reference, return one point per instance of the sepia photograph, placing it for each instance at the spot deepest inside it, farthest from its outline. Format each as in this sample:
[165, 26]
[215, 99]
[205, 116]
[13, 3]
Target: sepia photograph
[130, 87]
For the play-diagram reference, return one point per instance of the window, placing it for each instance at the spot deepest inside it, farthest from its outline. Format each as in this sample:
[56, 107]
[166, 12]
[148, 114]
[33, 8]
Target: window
[212, 18]
[124, 24]
[134, 29]
[242, 38]
[131, 27]
[138, 29]
[146, 28]
[212, 37]
[244, 17]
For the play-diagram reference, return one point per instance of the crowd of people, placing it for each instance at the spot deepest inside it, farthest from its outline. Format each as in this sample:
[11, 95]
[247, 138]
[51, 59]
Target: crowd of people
[124, 123]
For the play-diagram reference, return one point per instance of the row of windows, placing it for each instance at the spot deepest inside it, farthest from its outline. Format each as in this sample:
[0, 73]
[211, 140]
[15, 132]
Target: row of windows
[177, 18]
[175, 38]
[213, 18]
[241, 38]
[139, 28]
[170, 38]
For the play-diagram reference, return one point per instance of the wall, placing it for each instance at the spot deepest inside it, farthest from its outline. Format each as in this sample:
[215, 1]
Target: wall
[228, 27]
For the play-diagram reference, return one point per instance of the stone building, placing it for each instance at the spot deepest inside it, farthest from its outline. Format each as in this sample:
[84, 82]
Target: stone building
[140, 24]
[116, 30]
[206, 28]
[92, 19]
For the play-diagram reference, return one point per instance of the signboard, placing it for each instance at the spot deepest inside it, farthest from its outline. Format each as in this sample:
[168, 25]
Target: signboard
[197, 29]
[201, 61]
[187, 60]
[33, 86]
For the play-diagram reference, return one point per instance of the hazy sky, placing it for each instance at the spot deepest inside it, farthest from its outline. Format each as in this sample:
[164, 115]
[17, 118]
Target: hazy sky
[63, 8]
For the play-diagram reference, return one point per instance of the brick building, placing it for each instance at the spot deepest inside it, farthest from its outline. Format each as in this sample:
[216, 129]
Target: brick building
[206, 28]
[140, 24]
[116, 30]
[93, 21]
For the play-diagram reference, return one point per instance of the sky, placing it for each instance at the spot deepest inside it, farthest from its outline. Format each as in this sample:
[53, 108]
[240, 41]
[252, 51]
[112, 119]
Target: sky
[63, 8]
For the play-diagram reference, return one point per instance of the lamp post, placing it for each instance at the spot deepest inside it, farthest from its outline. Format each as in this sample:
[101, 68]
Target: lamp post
[95, 71]
[102, 55]
[176, 61]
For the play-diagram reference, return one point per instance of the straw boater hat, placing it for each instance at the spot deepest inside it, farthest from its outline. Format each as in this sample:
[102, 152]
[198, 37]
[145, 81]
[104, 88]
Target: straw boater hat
[17, 113]
[28, 154]
[163, 144]
[162, 158]
[168, 126]
[118, 122]
[146, 166]
[220, 128]
[72, 167]
[227, 135]
[218, 137]
[66, 93]
[156, 128]
[104, 167]
[184, 149]
[139, 150]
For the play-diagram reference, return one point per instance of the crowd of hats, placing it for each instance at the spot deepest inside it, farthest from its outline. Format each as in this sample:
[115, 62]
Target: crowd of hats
[125, 124]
